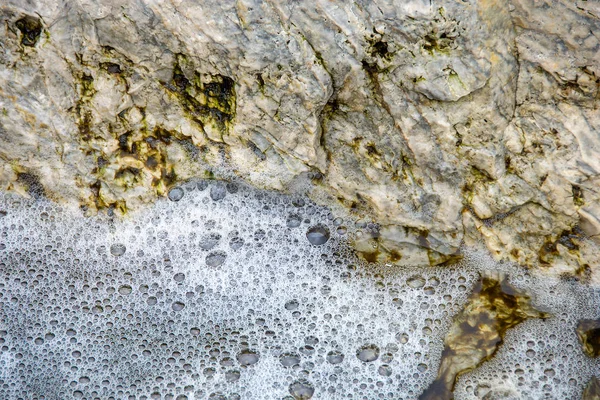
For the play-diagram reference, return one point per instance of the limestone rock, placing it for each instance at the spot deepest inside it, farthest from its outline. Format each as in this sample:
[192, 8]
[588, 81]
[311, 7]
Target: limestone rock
[444, 121]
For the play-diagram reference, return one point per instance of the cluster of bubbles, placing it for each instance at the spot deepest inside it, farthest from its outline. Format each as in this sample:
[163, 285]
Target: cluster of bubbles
[221, 291]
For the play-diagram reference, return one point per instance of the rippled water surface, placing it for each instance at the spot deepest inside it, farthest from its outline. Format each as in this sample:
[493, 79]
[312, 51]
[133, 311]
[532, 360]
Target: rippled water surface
[224, 292]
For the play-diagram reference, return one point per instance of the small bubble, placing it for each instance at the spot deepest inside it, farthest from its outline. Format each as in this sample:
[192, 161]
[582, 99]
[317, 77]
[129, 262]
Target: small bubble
[151, 301]
[218, 191]
[416, 281]
[195, 331]
[368, 353]
[335, 357]
[302, 390]
[117, 249]
[209, 241]
[175, 194]
[232, 376]
[236, 243]
[291, 305]
[216, 258]
[317, 235]
[248, 357]
[203, 184]
[293, 221]
[289, 359]
[179, 277]
[125, 290]
[387, 358]
[402, 337]
[232, 187]
[177, 306]
[384, 370]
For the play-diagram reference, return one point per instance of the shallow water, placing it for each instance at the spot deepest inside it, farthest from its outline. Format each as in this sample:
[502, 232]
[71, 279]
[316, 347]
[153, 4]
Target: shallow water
[224, 297]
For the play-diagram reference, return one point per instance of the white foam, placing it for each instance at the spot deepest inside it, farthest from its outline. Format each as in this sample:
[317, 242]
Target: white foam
[180, 328]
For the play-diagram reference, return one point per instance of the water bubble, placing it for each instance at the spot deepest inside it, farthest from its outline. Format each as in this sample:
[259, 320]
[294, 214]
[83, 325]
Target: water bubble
[209, 241]
[335, 357]
[177, 306]
[317, 235]
[203, 184]
[289, 359]
[387, 358]
[117, 249]
[232, 376]
[175, 194]
[293, 221]
[416, 281]
[248, 357]
[151, 301]
[302, 390]
[232, 187]
[236, 243]
[216, 258]
[368, 353]
[195, 331]
[291, 305]
[179, 277]
[125, 290]
[397, 302]
[384, 370]
[218, 191]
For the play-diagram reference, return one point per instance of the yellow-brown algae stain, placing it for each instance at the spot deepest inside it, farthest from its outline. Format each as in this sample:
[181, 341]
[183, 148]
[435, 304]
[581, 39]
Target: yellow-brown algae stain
[588, 332]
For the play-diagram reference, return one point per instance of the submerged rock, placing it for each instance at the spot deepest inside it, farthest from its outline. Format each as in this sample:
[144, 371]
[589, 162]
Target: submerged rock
[588, 332]
[592, 390]
[447, 122]
[477, 332]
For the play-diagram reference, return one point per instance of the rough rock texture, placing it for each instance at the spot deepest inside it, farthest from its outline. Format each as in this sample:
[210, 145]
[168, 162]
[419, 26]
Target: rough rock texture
[447, 121]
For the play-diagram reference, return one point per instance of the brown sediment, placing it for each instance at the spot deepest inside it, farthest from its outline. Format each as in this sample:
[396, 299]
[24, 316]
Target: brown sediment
[588, 332]
[478, 331]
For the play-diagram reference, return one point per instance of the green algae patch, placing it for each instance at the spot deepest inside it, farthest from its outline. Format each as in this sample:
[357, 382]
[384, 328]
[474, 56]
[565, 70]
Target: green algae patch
[209, 100]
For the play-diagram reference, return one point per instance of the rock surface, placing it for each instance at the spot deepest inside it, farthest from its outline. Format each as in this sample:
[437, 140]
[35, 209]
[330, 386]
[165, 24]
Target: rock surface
[446, 121]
